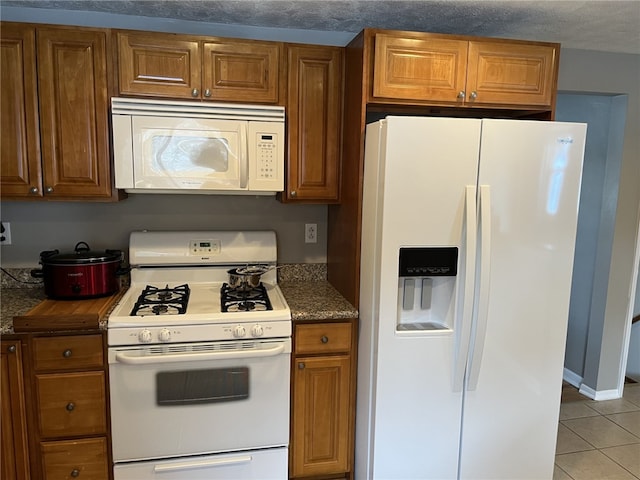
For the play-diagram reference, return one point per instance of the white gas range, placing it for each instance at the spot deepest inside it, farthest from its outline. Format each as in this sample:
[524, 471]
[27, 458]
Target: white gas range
[196, 365]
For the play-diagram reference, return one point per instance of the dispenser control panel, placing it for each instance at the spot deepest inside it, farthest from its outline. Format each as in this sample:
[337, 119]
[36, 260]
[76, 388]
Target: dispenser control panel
[428, 262]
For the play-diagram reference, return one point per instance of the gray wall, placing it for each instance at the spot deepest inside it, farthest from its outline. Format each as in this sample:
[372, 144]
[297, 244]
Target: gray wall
[586, 71]
[605, 116]
[37, 226]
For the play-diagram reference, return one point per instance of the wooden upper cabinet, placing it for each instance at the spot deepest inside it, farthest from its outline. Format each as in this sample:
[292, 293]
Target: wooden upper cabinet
[242, 71]
[20, 153]
[190, 67]
[459, 71]
[162, 65]
[55, 132]
[413, 68]
[74, 112]
[511, 73]
[314, 123]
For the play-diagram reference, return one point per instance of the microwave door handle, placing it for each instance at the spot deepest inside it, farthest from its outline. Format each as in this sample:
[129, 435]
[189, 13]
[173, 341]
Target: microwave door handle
[243, 155]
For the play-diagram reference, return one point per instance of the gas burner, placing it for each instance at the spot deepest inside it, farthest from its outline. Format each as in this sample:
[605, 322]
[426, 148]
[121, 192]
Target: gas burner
[162, 301]
[236, 300]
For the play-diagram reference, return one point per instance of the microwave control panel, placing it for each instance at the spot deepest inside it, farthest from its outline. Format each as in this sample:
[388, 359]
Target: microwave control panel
[266, 156]
[267, 150]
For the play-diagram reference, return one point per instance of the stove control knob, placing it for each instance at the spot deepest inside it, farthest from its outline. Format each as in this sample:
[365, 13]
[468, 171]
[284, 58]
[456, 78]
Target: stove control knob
[164, 335]
[257, 330]
[239, 331]
[145, 336]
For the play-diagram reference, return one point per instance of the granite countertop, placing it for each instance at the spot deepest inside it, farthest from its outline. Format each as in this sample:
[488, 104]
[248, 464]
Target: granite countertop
[309, 295]
[316, 300]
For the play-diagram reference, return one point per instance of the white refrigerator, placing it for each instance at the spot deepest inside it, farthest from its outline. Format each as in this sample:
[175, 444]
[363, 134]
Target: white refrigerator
[468, 237]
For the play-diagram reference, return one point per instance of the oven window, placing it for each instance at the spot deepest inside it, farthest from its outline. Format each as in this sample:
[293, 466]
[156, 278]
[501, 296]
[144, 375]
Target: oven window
[191, 387]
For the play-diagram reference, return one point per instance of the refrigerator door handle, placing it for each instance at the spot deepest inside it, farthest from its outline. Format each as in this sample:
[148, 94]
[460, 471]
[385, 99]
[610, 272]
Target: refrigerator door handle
[484, 286]
[465, 301]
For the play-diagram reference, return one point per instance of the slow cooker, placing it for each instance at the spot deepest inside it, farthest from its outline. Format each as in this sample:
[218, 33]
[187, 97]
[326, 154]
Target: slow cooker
[82, 273]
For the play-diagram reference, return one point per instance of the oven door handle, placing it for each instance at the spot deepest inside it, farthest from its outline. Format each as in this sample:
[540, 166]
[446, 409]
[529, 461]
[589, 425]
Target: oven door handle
[190, 357]
[172, 467]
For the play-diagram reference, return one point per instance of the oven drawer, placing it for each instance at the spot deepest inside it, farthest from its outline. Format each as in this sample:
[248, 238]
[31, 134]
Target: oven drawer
[322, 338]
[85, 458]
[66, 353]
[71, 404]
[269, 464]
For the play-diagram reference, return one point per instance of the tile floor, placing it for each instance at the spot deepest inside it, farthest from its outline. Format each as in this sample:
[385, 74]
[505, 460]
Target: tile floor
[599, 440]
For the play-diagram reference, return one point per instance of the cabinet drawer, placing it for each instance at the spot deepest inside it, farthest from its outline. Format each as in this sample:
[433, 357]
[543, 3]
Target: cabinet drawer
[65, 353]
[86, 458]
[71, 404]
[322, 338]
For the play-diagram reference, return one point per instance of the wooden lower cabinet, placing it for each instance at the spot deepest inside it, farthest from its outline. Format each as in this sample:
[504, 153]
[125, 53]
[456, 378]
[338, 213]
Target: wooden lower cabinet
[67, 406]
[14, 446]
[323, 393]
[75, 459]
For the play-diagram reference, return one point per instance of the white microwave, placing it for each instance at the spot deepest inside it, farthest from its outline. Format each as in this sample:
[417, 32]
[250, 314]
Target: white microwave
[164, 146]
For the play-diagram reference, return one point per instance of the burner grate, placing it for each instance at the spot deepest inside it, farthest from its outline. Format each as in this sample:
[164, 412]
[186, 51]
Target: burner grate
[162, 301]
[235, 300]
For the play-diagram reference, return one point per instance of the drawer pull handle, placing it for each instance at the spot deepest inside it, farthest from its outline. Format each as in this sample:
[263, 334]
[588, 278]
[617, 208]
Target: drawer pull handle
[301, 366]
[70, 407]
[324, 339]
[75, 472]
[12, 349]
[67, 353]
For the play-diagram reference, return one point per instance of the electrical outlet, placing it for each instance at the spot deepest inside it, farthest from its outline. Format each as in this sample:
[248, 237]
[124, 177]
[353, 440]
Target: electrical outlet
[310, 233]
[5, 235]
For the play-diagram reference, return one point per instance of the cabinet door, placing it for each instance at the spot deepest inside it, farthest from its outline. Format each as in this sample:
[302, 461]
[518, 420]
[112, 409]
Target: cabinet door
[320, 415]
[71, 404]
[424, 69]
[14, 447]
[74, 112]
[86, 458]
[314, 122]
[160, 65]
[20, 154]
[511, 73]
[241, 71]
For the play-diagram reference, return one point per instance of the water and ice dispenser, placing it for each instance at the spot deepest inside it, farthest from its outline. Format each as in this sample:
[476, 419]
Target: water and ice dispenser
[426, 288]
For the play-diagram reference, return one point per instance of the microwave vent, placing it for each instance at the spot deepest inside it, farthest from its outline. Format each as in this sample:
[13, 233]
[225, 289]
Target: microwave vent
[220, 111]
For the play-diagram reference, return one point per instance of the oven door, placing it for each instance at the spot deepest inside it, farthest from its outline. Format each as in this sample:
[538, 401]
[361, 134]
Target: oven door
[200, 398]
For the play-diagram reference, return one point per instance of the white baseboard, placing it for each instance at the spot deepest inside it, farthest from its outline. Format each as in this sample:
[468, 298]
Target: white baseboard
[572, 378]
[599, 394]
[576, 380]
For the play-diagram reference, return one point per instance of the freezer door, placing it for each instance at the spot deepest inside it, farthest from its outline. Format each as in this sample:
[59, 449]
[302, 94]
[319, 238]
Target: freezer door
[419, 185]
[529, 185]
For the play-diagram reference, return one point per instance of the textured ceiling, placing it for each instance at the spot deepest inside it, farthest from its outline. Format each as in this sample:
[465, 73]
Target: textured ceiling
[607, 25]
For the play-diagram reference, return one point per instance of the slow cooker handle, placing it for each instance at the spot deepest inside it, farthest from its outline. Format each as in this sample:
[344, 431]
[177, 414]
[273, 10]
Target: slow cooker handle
[80, 249]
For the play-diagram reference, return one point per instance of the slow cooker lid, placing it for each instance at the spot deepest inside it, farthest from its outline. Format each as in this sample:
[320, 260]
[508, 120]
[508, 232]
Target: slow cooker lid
[81, 256]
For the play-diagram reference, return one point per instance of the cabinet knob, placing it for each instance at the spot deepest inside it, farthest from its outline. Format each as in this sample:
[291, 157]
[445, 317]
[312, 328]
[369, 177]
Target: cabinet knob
[33, 190]
[294, 193]
[12, 349]
[473, 95]
[75, 473]
[324, 339]
[207, 93]
[462, 94]
[301, 366]
[194, 92]
[70, 407]
[49, 189]
[67, 353]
